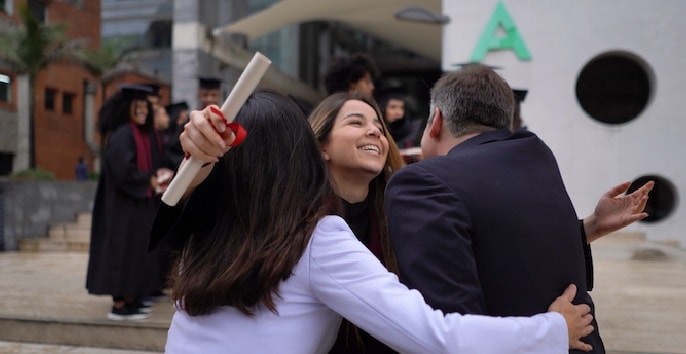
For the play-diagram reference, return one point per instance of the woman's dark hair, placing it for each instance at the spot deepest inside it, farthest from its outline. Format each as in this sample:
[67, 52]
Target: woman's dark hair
[322, 120]
[116, 111]
[274, 189]
[346, 70]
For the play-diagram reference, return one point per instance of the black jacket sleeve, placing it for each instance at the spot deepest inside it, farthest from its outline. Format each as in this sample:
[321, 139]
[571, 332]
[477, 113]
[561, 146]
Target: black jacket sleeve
[176, 224]
[588, 256]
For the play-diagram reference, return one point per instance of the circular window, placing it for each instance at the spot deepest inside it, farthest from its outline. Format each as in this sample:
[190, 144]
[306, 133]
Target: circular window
[614, 88]
[661, 200]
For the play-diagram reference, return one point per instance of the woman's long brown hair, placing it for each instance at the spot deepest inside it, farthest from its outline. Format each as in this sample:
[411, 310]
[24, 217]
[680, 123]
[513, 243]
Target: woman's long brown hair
[274, 189]
[322, 121]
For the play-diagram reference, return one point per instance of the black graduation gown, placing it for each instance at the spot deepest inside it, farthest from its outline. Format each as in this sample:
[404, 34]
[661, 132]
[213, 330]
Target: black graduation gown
[123, 213]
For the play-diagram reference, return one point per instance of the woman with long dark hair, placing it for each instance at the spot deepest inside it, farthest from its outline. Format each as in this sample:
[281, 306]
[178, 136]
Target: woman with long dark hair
[361, 156]
[125, 205]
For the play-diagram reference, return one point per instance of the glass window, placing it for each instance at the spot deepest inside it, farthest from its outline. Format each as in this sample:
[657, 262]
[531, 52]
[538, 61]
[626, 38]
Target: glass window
[5, 88]
[50, 99]
[68, 103]
[37, 9]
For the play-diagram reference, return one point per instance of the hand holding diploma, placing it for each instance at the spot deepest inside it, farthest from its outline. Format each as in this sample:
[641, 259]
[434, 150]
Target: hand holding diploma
[201, 147]
[206, 138]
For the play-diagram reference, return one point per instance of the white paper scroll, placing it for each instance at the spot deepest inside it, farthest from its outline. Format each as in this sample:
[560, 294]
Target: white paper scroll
[245, 85]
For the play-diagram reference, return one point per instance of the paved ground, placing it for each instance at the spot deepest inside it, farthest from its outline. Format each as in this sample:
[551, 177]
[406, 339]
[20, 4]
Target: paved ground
[640, 296]
[27, 348]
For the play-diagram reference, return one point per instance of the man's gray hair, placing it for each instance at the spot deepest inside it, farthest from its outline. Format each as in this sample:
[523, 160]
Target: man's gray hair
[473, 99]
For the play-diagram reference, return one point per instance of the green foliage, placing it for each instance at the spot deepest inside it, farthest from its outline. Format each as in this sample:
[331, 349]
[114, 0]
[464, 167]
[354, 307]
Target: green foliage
[31, 47]
[112, 51]
[34, 174]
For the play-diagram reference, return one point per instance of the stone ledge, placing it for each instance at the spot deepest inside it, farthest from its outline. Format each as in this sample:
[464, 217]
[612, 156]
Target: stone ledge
[125, 335]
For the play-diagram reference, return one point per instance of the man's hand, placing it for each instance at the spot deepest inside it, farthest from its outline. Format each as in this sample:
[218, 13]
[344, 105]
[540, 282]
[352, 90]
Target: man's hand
[615, 211]
[578, 318]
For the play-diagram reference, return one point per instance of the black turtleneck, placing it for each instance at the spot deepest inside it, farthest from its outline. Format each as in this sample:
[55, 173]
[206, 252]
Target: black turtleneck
[357, 216]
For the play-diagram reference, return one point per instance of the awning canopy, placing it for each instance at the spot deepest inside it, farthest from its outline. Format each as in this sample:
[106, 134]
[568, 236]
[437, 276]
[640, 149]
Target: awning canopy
[375, 17]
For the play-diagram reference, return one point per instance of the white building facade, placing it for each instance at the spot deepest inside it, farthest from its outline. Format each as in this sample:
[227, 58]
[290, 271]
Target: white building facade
[606, 87]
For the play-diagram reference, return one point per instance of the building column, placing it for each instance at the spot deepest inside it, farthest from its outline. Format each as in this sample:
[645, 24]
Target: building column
[21, 156]
[90, 88]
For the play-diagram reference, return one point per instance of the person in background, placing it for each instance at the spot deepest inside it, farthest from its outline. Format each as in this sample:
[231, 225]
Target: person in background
[392, 103]
[81, 170]
[161, 119]
[355, 72]
[178, 116]
[209, 91]
[154, 97]
[268, 266]
[125, 203]
[483, 224]
[517, 122]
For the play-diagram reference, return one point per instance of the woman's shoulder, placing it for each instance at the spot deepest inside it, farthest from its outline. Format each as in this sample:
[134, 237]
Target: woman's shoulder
[121, 131]
[331, 224]
[332, 235]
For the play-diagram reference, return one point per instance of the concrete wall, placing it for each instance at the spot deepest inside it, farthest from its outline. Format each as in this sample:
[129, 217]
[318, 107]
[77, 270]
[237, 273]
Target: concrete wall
[28, 207]
[562, 38]
[8, 131]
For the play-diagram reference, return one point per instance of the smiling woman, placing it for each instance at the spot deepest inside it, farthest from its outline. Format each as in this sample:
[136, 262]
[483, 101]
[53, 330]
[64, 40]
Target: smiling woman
[361, 156]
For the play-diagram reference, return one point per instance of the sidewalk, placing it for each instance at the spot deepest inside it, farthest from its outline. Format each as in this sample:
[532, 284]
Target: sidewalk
[640, 295]
[640, 304]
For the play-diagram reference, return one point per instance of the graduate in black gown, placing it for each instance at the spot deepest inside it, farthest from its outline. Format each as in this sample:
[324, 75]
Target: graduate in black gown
[125, 204]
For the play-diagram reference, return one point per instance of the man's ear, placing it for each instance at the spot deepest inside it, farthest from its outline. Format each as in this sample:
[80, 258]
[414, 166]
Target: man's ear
[436, 125]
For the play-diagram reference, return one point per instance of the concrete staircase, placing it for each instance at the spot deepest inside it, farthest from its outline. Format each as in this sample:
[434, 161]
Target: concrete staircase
[44, 300]
[62, 237]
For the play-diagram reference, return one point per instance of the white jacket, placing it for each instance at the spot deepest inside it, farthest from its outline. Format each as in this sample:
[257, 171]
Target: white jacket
[338, 275]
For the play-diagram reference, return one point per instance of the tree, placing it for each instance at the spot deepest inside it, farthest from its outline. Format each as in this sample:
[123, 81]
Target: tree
[29, 48]
[113, 53]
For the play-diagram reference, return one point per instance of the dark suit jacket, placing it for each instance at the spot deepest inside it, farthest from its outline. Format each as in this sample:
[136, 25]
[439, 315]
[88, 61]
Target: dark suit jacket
[488, 229]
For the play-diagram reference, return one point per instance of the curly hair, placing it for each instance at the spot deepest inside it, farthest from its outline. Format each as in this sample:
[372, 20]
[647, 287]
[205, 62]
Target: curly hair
[346, 70]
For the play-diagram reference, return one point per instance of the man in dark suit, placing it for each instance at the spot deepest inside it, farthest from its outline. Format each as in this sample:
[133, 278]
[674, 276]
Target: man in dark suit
[484, 224]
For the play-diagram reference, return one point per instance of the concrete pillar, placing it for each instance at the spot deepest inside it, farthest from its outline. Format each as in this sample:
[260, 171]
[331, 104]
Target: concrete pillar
[90, 88]
[21, 157]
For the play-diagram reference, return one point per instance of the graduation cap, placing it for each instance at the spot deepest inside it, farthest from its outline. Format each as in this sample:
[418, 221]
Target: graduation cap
[394, 90]
[175, 108]
[154, 88]
[135, 91]
[209, 83]
[519, 95]
[178, 106]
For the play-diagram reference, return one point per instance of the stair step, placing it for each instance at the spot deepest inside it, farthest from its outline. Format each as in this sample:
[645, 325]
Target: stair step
[62, 237]
[84, 333]
[58, 232]
[43, 300]
[84, 219]
[50, 245]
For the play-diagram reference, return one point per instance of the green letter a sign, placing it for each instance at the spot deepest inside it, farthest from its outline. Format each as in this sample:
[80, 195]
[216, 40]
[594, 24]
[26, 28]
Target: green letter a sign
[491, 41]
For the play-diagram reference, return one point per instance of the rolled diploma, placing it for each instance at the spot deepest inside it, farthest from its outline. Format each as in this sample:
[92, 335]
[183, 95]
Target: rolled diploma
[245, 85]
